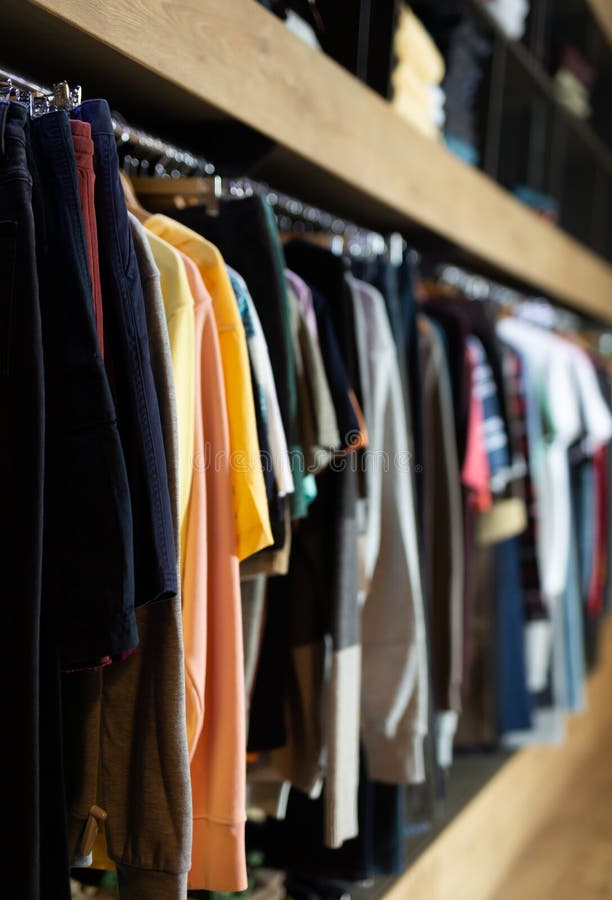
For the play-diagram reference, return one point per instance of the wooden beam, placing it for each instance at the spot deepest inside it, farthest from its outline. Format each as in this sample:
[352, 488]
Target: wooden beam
[602, 10]
[238, 59]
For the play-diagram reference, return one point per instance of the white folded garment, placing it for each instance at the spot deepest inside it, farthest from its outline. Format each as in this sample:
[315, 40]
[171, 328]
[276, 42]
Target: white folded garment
[510, 16]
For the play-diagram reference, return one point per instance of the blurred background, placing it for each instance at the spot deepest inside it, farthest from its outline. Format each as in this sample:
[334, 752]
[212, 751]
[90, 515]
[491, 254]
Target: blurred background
[518, 88]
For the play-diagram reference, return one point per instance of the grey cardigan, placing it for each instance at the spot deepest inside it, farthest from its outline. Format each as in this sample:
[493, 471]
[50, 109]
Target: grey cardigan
[394, 675]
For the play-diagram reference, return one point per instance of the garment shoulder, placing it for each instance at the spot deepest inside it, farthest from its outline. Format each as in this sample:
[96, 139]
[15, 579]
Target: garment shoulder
[184, 239]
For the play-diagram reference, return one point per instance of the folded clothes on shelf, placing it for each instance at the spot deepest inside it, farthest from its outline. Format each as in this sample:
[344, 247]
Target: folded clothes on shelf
[416, 77]
[542, 203]
[510, 15]
[467, 50]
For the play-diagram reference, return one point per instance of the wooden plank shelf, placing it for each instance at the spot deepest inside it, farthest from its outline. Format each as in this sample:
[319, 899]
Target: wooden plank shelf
[505, 832]
[183, 63]
[602, 10]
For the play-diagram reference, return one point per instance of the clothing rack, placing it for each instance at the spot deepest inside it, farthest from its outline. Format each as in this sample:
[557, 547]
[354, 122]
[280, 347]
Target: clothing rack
[155, 157]
[40, 100]
[476, 287]
[182, 161]
[23, 83]
[535, 308]
[145, 154]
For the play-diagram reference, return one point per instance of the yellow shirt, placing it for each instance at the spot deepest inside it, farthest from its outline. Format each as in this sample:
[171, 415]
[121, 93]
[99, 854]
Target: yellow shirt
[251, 516]
[178, 304]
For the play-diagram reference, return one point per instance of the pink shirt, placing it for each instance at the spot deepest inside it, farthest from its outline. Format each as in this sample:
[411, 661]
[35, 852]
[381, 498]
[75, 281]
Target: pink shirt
[304, 296]
[475, 474]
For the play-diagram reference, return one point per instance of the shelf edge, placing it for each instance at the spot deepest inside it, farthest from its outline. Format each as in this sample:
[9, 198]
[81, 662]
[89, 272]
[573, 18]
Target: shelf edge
[240, 59]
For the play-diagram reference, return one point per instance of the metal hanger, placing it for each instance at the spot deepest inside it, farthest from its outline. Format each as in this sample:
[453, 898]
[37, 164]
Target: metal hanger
[535, 309]
[39, 100]
[144, 155]
[477, 287]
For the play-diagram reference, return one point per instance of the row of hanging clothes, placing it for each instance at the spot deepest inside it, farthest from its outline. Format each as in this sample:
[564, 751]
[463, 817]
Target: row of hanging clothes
[287, 521]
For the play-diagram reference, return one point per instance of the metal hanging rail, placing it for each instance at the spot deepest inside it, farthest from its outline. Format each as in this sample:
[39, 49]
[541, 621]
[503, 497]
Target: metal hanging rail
[24, 83]
[158, 158]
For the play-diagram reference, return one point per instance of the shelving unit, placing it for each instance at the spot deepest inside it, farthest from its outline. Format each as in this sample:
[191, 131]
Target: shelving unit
[528, 138]
[543, 83]
[602, 10]
[176, 67]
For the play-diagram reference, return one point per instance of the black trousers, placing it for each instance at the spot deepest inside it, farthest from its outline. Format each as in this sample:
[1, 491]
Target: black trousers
[21, 502]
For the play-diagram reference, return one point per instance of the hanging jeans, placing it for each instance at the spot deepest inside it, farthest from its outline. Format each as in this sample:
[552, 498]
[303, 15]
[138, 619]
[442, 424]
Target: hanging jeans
[88, 569]
[21, 502]
[126, 353]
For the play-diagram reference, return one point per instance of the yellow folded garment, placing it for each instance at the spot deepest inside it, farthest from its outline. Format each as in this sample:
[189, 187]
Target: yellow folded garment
[505, 519]
[572, 93]
[408, 110]
[407, 82]
[413, 44]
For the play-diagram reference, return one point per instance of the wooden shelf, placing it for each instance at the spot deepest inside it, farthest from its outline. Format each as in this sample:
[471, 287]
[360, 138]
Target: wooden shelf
[481, 853]
[602, 10]
[179, 63]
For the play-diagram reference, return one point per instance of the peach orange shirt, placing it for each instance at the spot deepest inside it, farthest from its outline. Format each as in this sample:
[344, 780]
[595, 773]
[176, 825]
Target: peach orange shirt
[212, 627]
